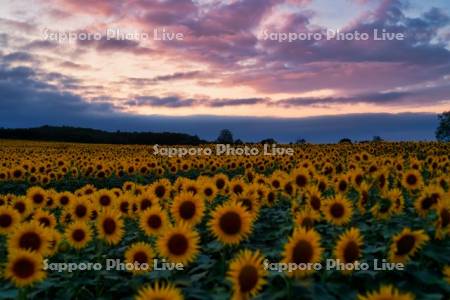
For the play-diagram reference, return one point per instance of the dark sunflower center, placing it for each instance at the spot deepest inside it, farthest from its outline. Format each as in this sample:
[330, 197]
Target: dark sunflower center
[358, 179]
[105, 200]
[237, 189]
[109, 226]
[38, 198]
[300, 180]
[427, 202]
[80, 211]
[78, 235]
[146, 203]
[337, 210]
[160, 191]
[124, 207]
[411, 179]
[140, 257]
[302, 252]
[5, 220]
[178, 244]
[351, 252]
[220, 183]
[208, 192]
[23, 268]
[230, 222]
[30, 241]
[276, 184]
[154, 221]
[405, 244]
[44, 221]
[315, 202]
[187, 210]
[288, 188]
[342, 185]
[248, 278]
[64, 200]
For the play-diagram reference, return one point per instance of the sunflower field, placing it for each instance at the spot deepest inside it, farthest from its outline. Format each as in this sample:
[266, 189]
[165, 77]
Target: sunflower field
[362, 221]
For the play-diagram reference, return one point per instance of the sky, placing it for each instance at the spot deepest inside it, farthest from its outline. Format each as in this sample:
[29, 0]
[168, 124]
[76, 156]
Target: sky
[224, 64]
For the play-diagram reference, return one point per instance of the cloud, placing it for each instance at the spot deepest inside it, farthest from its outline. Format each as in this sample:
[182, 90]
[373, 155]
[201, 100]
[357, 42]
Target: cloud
[26, 101]
[177, 102]
[165, 78]
[18, 57]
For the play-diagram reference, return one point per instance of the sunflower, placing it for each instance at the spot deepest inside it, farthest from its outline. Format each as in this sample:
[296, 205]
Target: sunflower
[443, 221]
[247, 274]
[153, 221]
[146, 200]
[338, 210]
[348, 247]
[44, 218]
[78, 234]
[288, 188]
[208, 190]
[342, 184]
[24, 267]
[300, 178]
[37, 196]
[383, 209]
[306, 218]
[313, 197]
[125, 204]
[30, 236]
[405, 244]
[179, 244]
[249, 202]
[104, 198]
[386, 292]
[396, 196]
[427, 200]
[110, 226]
[230, 223]
[65, 199]
[161, 189]
[303, 247]
[220, 181]
[141, 254]
[81, 209]
[237, 186]
[412, 180]
[9, 219]
[363, 199]
[86, 190]
[159, 292]
[188, 208]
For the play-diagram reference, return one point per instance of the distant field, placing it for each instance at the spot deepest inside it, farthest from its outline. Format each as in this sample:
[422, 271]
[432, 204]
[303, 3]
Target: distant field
[339, 221]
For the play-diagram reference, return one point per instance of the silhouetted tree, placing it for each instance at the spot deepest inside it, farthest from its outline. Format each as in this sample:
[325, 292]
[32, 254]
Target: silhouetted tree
[300, 141]
[225, 137]
[443, 130]
[345, 141]
[268, 141]
[377, 138]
